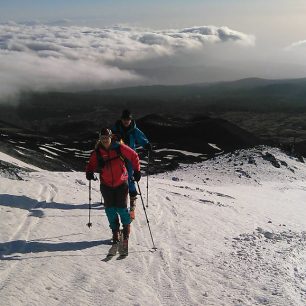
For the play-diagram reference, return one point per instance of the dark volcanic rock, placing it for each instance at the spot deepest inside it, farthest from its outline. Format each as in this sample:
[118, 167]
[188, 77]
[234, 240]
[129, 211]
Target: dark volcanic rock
[67, 146]
[195, 134]
[10, 171]
[271, 158]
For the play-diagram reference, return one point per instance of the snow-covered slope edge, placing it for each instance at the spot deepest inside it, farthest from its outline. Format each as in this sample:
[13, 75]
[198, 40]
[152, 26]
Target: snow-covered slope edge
[229, 231]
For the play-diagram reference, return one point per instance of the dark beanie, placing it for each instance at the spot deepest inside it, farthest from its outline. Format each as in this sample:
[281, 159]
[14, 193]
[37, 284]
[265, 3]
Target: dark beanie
[126, 114]
[105, 132]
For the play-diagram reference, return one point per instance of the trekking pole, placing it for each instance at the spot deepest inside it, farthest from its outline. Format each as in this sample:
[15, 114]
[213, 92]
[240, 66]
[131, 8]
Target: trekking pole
[144, 208]
[148, 163]
[89, 224]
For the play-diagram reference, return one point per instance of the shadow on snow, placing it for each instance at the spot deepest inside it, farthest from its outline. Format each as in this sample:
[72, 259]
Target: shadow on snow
[25, 247]
[23, 202]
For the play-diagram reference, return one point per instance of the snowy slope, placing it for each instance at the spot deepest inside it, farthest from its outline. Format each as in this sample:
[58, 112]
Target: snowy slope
[229, 231]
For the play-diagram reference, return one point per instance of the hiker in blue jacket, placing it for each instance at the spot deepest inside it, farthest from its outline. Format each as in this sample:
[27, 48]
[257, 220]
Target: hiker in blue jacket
[126, 130]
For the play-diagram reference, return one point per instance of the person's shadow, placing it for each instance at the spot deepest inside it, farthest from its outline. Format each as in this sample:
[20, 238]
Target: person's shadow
[35, 246]
[35, 207]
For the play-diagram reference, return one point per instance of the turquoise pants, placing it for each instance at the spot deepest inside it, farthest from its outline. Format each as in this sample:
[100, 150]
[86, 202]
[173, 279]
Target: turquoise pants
[112, 216]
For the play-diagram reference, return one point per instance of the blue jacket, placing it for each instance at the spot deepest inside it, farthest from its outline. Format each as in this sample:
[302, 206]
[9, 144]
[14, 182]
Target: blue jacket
[131, 136]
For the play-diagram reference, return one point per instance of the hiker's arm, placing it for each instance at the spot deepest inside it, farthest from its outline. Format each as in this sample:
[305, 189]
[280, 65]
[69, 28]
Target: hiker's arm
[131, 155]
[92, 164]
[141, 138]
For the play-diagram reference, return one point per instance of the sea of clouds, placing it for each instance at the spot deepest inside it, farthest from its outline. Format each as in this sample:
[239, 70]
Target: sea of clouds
[299, 45]
[40, 57]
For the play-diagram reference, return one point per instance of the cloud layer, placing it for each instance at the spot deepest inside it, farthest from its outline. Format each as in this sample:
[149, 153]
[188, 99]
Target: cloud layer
[297, 45]
[44, 57]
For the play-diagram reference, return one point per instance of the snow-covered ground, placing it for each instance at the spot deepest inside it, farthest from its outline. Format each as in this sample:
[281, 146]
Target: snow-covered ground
[229, 231]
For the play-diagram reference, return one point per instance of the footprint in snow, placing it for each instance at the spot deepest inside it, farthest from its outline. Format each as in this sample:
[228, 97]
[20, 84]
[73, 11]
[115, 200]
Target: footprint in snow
[80, 182]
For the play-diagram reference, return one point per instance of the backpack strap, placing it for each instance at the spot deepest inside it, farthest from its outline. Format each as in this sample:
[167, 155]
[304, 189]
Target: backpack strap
[102, 162]
[100, 159]
[120, 155]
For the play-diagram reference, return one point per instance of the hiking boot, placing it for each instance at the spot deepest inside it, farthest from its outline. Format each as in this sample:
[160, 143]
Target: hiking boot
[126, 231]
[125, 247]
[115, 236]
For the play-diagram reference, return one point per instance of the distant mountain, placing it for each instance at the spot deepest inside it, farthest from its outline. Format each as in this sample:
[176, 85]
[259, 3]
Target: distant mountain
[254, 105]
[249, 83]
[246, 94]
[252, 94]
[242, 84]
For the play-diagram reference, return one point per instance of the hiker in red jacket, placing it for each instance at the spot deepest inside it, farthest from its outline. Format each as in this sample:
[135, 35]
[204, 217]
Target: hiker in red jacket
[108, 160]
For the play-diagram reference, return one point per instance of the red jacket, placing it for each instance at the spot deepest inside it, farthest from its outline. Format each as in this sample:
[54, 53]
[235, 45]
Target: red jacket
[114, 173]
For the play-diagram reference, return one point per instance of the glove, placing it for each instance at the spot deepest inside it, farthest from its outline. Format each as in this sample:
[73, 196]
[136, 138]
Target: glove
[137, 176]
[116, 137]
[148, 147]
[90, 176]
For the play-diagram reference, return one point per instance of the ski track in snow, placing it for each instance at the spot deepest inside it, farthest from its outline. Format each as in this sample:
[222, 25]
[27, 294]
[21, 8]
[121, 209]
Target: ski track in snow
[224, 237]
